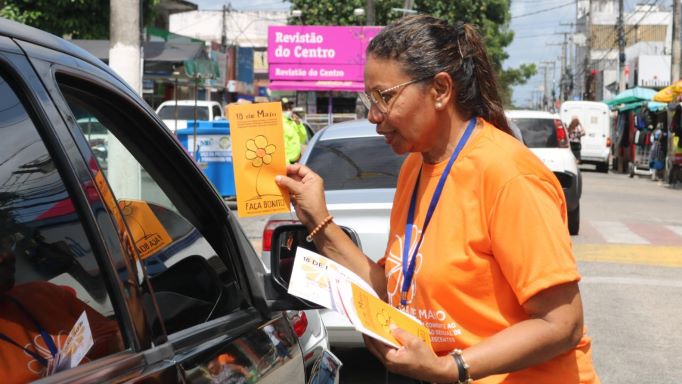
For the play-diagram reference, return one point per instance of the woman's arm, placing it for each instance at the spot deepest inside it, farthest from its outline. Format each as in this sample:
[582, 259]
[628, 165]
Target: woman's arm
[555, 325]
[306, 189]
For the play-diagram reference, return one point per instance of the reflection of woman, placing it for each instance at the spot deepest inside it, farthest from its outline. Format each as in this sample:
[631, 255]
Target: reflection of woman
[501, 302]
[575, 133]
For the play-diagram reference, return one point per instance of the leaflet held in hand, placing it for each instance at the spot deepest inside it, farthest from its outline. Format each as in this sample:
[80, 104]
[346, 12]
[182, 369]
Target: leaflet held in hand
[324, 282]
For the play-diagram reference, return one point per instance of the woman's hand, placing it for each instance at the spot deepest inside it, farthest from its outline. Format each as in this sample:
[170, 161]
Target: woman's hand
[306, 189]
[413, 359]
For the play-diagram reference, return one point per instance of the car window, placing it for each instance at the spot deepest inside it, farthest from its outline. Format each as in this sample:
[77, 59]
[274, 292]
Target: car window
[355, 163]
[49, 275]
[537, 133]
[184, 112]
[191, 283]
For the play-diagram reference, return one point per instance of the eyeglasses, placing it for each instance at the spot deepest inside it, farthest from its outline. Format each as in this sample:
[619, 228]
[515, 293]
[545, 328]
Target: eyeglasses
[381, 98]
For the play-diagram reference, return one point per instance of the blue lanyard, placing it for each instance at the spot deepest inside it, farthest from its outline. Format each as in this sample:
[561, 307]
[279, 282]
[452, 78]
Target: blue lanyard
[408, 267]
[43, 333]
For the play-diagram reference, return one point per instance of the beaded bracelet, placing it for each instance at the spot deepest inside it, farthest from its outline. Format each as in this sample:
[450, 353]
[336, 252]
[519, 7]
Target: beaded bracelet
[319, 227]
[462, 367]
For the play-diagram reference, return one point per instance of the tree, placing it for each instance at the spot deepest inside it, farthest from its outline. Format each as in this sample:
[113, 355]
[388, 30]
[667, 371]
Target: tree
[78, 19]
[492, 17]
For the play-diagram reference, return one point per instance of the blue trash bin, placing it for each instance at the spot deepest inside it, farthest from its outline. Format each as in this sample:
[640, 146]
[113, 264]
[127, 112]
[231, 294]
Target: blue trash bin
[214, 152]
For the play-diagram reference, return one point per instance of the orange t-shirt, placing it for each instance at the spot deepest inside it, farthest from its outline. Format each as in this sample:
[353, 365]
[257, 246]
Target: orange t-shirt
[498, 236]
[56, 310]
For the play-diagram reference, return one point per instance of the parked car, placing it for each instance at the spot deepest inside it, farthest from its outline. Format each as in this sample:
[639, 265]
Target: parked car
[175, 115]
[545, 135]
[595, 118]
[133, 236]
[360, 173]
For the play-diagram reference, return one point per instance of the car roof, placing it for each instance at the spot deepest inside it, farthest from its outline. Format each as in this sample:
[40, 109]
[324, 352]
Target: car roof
[349, 129]
[24, 32]
[530, 114]
[201, 103]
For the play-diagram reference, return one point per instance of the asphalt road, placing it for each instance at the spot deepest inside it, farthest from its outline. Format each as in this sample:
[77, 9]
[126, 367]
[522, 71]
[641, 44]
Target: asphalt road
[629, 252]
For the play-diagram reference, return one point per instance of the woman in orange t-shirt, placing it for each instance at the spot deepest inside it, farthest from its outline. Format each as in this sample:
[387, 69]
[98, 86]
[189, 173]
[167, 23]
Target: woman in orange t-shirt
[478, 247]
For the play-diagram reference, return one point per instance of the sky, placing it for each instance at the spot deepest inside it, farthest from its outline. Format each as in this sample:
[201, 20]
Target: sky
[538, 25]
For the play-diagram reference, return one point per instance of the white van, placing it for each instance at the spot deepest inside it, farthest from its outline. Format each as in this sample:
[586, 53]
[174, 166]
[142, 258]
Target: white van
[595, 118]
[176, 117]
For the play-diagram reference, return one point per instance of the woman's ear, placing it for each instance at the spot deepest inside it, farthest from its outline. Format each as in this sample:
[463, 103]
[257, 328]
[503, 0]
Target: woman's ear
[442, 89]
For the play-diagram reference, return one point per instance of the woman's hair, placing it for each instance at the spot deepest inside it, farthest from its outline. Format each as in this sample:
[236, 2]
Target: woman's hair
[573, 125]
[424, 46]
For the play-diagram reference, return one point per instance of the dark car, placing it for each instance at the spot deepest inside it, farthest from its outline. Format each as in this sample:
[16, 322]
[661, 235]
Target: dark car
[126, 230]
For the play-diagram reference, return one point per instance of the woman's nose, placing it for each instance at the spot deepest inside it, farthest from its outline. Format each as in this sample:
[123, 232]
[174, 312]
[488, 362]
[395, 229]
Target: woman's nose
[374, 115]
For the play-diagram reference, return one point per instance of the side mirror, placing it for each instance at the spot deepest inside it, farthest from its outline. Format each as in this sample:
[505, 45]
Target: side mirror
[285, 240]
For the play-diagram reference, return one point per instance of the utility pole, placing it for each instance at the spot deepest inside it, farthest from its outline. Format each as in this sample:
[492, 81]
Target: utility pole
[562, 78]
[621, 47]
[587, 61]
[674, 76]
[223, 33]
[125, 59]
[675, 65]
[370, 12]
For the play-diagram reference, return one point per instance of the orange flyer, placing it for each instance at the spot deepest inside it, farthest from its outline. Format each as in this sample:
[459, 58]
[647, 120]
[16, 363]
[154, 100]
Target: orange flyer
[258, 156]
[375, 316]
[147, 231]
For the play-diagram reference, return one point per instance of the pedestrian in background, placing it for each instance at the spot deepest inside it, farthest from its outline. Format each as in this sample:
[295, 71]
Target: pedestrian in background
[501, 302]
[575, 134]
[292, 138]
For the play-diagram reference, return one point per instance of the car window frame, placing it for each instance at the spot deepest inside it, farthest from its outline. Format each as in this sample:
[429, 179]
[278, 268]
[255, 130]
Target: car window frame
[229, 241]
[23, 80]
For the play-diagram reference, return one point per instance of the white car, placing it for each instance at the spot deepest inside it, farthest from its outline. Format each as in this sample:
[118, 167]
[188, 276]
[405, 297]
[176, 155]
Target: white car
[360, 173]
[175, 115]
[545, 135]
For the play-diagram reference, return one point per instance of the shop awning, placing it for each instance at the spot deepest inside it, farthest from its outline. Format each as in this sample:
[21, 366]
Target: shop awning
[631, 95]
[654, 106]
[160, 51]
[344, 86]
[669, 93]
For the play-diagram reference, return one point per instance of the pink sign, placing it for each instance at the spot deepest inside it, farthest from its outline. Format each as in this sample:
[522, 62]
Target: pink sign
[316, 53]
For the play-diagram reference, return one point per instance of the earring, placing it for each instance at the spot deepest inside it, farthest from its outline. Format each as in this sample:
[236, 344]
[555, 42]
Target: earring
[438, 105]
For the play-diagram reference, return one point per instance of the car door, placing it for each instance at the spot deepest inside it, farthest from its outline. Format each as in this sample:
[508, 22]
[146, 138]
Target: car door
[55, 223]
[202, 319]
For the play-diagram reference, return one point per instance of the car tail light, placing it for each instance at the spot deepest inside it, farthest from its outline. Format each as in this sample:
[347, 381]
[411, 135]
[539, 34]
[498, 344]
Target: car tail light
[608, 142]
[300, 323]
[561, 137]
[269, 228]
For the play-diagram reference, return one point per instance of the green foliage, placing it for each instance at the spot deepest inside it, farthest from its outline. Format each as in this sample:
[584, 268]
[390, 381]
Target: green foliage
[79, 19]
[492, 17]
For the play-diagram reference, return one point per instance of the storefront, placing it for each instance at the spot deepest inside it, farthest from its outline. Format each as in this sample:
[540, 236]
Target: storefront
[323, 66]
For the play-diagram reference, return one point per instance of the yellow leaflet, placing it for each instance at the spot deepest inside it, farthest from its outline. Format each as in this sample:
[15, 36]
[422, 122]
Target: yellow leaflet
[376, 316]
[258, 156]
[149, 234]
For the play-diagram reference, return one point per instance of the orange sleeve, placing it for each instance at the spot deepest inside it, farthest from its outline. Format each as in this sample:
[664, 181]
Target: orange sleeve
[529, 236]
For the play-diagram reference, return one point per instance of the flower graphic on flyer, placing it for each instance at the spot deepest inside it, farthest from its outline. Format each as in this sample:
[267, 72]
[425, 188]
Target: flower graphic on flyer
[259, 152]
[394, 267]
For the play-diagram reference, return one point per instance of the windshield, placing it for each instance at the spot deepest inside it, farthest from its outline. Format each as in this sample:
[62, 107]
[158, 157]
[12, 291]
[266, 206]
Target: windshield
[537, 133]
[355, 163]
[185, 112]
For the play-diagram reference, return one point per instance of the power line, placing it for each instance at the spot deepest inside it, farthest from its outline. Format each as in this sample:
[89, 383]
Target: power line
[613, 32]
[544, 10]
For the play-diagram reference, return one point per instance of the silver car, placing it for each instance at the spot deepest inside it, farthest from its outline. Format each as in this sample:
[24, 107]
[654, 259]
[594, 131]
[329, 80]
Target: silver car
[360, 172]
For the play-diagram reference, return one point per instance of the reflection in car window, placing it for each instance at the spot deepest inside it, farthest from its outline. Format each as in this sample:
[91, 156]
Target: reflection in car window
[48, 272]
[537, 133]
[184, 112]
[355, 163]
[191, 282]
